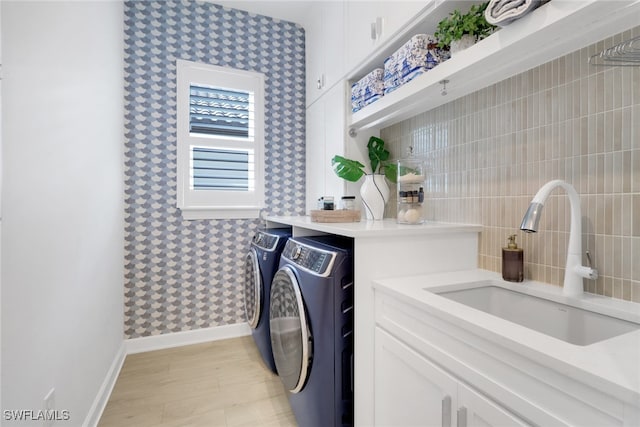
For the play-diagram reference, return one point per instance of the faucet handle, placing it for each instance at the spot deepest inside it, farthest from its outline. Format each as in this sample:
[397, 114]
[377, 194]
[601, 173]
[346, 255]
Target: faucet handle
[587, 272]
[589, 258]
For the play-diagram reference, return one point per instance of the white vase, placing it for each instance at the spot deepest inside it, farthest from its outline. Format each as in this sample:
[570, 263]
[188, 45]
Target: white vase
[375, 194]
[466, 41]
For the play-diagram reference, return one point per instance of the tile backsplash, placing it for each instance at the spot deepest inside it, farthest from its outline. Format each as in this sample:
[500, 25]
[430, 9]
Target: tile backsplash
[489, 152]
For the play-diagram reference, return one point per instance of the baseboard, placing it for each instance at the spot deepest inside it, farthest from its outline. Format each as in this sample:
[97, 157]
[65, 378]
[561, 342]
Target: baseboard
[100, 402]
[177, 339]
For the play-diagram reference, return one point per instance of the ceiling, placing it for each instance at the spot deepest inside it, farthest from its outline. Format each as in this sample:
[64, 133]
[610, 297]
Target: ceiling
[287, 10]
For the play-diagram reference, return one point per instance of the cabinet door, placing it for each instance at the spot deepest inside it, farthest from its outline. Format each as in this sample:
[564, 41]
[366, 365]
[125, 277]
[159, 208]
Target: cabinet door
[325, 138]
[334, 140]
[476, 410]
[359, 17]
[397, 14]
[314, 171]
[371, 23]
[333, 37]
[324, 46]
[313, 52]
[410, 390]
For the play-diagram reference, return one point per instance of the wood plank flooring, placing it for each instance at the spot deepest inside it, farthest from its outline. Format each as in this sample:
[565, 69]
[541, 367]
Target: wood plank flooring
[221, 383]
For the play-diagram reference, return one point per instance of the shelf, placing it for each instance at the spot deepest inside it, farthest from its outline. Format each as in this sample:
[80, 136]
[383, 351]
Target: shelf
[553, 30]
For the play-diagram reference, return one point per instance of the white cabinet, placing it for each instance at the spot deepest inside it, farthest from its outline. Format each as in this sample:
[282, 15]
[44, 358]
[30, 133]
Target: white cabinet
[499, 382]
[476, 410]
[325, 138]
[411, 391]
[325, 52]
[369, 24]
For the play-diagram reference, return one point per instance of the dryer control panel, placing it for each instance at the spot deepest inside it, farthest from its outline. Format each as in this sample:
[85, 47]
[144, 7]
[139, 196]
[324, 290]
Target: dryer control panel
[265, 240]
[315, 260]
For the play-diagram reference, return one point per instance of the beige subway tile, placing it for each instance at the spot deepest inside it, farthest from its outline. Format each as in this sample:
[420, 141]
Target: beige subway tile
[627, 258]
[635, 254]
[616, 218]
[635, 170]
[609, 173]
[617, 288]
[607, 287]
[635, 215]
[600, 285]
[635, 84]
[635, 291]
[626, 129]
[608, 89]
[627, 215]
[617, 257]
[626, 290]
[591, 91]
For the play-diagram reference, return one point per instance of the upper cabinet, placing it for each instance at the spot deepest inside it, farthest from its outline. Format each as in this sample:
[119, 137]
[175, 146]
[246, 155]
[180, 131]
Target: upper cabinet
[325, 52]
[369, 24]
[553, 30]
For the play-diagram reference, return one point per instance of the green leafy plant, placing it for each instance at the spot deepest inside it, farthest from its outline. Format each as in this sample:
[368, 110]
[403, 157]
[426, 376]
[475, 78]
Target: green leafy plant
[353, 170]
[458, 24]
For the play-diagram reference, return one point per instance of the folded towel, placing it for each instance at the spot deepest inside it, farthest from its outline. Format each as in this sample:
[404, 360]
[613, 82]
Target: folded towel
[421, 53]
[504, 12]
[367, 90]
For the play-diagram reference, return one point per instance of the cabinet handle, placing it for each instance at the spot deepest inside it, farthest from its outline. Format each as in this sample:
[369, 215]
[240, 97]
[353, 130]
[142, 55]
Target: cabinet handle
[320, 82]
[462, 417]
[446, 411]
[376, 29]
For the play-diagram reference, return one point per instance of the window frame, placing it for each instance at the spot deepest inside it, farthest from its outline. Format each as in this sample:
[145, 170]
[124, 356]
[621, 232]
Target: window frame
[216, 204]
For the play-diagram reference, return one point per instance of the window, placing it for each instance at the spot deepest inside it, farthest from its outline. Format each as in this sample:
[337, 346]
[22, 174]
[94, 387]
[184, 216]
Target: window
[220, 141]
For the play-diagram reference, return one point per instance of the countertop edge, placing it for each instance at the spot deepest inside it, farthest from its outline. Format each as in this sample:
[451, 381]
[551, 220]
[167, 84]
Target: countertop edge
[369, 228]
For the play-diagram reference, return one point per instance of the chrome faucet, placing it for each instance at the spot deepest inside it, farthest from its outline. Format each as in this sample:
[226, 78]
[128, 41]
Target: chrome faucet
[574, 271]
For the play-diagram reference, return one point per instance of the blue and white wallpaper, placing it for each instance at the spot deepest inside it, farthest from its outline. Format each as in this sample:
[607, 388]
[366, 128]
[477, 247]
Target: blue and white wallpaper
[184, 275]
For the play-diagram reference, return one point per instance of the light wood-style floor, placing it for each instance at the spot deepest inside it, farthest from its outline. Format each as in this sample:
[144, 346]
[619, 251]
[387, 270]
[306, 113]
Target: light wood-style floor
[221, 383]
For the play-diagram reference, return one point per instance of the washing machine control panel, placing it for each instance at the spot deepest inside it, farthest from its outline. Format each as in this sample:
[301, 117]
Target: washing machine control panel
[265, 240]
[312, 259]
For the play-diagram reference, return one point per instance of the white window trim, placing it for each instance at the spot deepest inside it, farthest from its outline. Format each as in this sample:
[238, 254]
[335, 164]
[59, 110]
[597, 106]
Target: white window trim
[209, 204]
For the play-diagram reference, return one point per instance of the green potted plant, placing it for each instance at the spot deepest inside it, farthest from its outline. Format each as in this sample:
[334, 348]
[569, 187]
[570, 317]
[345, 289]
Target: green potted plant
[353, 170]
[461, 30]
[374, 190]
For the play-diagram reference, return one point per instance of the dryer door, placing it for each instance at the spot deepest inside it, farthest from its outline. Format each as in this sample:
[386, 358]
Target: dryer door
[290, 336]
[252, 289]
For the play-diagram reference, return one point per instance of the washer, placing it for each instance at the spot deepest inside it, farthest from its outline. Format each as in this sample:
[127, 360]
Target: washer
[261, 264]
[311, 318]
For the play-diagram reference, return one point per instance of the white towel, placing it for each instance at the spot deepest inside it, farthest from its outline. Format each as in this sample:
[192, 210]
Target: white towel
[504, 12]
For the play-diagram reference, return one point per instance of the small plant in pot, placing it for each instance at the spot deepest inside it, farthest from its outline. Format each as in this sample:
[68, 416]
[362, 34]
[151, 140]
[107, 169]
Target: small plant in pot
[374, 190]
[459, 31]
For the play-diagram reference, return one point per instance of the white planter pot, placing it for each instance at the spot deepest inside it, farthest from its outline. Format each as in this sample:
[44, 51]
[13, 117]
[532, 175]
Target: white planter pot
[465, 42]
[375, 194]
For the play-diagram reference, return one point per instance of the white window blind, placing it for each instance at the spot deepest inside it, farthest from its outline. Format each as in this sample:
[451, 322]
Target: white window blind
[220, 141]
[221, 112]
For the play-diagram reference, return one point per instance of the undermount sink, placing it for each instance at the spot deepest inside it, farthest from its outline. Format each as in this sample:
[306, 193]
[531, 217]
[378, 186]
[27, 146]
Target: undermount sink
[565, 322]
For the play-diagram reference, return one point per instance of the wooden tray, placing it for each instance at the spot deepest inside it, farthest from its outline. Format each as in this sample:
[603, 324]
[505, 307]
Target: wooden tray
[335, 216]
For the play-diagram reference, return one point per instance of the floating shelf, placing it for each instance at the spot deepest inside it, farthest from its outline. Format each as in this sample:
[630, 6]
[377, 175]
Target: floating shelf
[553, 30]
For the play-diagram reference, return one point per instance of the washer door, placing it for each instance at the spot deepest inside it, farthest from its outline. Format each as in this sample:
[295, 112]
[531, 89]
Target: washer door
[290, 336]
[252, 289]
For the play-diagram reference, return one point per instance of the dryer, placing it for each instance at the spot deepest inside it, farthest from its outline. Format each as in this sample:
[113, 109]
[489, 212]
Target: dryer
[311, 317]
[261, 264]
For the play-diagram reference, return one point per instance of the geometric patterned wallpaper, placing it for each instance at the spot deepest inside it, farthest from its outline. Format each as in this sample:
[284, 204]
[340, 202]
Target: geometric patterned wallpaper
[185, 275]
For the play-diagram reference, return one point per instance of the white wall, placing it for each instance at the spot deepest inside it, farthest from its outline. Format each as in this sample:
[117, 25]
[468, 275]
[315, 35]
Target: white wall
[62, 199]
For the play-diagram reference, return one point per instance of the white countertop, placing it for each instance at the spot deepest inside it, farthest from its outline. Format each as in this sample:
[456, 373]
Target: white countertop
[612, 365]
[364, 228]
